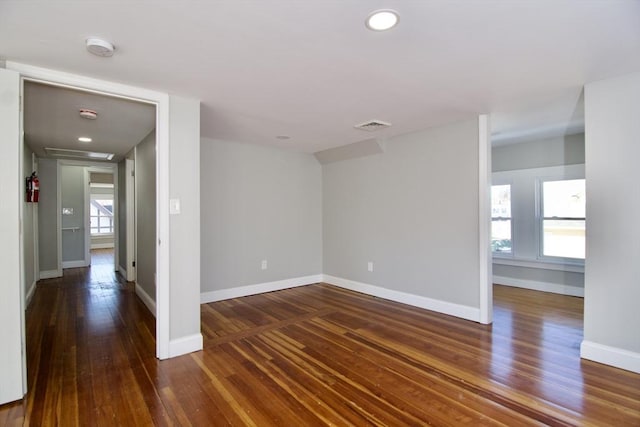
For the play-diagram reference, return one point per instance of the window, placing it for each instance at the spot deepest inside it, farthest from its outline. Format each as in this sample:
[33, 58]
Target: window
[101, 215]
[501, 219]
[563, 218]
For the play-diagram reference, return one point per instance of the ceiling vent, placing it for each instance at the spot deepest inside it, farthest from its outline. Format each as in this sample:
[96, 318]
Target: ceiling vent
[78, 154]
[372, 125]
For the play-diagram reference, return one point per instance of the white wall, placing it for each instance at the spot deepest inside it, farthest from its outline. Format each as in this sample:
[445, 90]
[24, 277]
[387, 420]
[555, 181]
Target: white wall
[612, 271]
[258, 203]
[558, 151]
[413, 212]
[184, 173]
[11, 188]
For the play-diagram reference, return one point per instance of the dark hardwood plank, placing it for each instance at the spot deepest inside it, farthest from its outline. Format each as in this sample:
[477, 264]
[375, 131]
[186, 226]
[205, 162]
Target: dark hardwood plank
[313, 355]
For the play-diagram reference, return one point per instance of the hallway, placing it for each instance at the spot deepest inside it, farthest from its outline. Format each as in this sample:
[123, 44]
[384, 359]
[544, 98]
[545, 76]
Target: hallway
[89, 340]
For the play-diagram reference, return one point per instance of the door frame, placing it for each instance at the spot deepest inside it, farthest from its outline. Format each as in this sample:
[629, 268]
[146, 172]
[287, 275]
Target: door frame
[161, 102]
[130, 271]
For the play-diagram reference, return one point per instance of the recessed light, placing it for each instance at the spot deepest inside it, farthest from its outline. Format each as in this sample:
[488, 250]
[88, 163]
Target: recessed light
[84, 139]
[283, 137]
[100, 47]
[382, 20]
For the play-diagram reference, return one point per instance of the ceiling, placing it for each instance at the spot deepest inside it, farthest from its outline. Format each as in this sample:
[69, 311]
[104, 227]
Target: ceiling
[311, 70]
[52, 120]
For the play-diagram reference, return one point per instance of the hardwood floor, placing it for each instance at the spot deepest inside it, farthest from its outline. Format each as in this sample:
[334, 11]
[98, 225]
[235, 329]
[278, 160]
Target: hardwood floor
[314, 355]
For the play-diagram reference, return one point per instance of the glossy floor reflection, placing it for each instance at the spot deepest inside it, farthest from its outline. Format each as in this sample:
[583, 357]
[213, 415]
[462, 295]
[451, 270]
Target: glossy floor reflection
[313, 355]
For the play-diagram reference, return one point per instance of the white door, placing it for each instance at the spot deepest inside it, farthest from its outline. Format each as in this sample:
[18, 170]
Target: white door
[12, 360]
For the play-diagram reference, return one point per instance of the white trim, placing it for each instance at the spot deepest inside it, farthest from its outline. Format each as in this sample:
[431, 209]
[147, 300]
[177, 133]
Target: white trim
[163, 259]
[50, 274]
[452, 309]
[185, 345]
[130, 205]
[116, 219]
[555, 288]
[613, 356]
[87, 217]
[146, 299]
[161, 100]
[544, 265]
[102, 245]
[59, 214]
[122, 271]
[243, 291]
[29, 295]
[74, 264]
[88, 84]
[484, 219]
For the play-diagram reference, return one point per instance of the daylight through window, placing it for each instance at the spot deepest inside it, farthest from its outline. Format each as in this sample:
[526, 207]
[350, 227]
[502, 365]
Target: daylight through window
[501, 219]
[563, 218]
[101, 216]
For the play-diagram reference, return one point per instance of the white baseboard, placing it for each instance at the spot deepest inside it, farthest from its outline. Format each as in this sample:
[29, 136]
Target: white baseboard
[50, 274]
[29, 295]
[74, 264]
[463, 311]
[146, 299]
[613, 356]
[555, 288]
[102, 245]
[185, 345]
[122, 271]
[243, 291]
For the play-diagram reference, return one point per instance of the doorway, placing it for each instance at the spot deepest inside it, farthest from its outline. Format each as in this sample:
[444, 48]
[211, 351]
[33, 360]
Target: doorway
[87, 194]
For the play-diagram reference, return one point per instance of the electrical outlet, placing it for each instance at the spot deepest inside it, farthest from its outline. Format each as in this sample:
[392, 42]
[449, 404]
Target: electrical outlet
[264, 264]
[370, 266]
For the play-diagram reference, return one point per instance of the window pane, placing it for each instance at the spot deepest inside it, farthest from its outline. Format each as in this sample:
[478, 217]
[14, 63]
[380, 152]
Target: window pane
[501, 236]
[106, 203]
[501, 228]
[501, 201]
[93, 210]
[94, 222]
[564, 238]
[564, 199]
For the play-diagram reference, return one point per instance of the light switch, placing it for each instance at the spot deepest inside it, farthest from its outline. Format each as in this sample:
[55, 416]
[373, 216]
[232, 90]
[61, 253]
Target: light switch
[174, 206]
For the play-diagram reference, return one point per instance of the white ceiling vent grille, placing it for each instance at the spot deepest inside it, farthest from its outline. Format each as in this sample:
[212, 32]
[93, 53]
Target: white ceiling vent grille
[372, 125]
[78, 154]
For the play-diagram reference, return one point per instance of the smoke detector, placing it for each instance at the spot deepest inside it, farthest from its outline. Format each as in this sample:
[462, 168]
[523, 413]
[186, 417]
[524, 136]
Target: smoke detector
[88, 114]
[372, 125]
[100, 47]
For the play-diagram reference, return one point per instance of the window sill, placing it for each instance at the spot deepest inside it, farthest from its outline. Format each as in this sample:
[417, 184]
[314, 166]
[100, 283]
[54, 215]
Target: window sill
[535, 263]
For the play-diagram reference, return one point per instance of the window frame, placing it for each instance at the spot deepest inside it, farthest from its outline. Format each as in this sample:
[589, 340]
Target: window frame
[505, 255]
[525, 224]
[94, 198]
[540, 218]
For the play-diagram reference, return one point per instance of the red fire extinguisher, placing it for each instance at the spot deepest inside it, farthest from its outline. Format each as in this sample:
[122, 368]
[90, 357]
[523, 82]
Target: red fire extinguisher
[33, 188]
